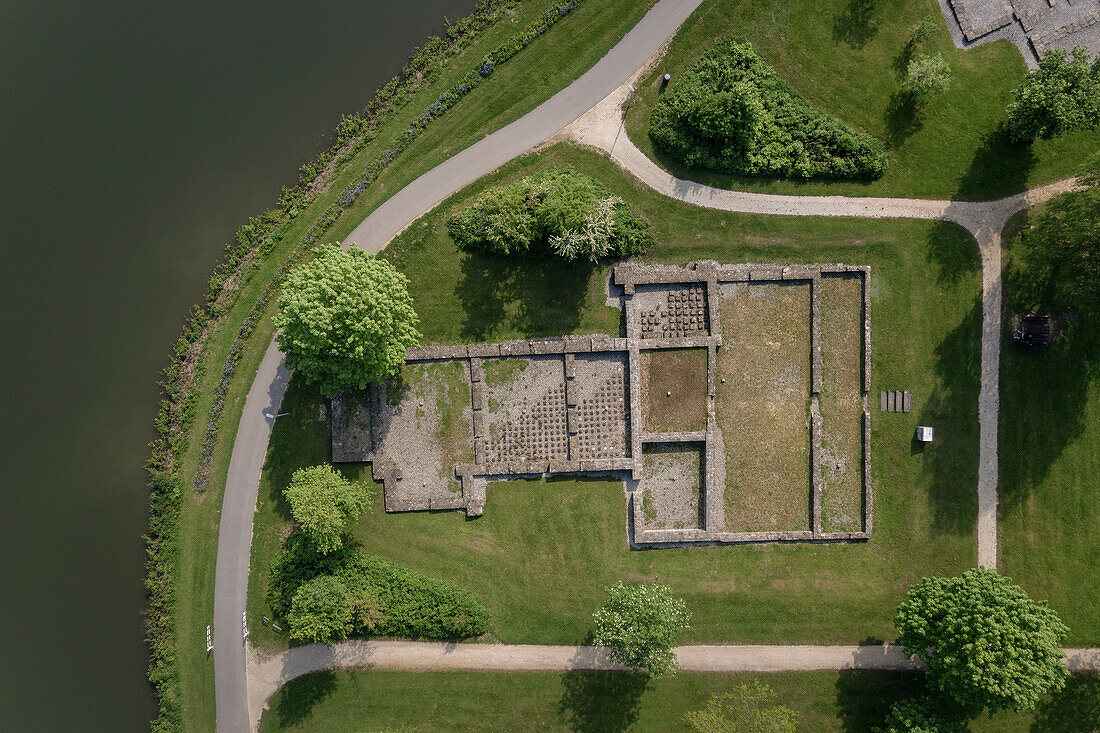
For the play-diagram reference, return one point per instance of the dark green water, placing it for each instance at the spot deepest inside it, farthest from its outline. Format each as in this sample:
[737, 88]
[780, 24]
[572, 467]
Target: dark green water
[134, 138]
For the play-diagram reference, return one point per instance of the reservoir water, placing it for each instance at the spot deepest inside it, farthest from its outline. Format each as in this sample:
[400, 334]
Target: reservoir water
[134, 138]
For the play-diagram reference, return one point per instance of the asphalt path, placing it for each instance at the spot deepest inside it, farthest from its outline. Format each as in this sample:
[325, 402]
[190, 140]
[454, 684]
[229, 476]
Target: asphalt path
[254, 429]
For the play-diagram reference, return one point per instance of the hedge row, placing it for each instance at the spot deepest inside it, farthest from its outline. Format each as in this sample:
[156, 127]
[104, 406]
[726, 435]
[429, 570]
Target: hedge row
[732, 113]
[254, 241]
[401, 602]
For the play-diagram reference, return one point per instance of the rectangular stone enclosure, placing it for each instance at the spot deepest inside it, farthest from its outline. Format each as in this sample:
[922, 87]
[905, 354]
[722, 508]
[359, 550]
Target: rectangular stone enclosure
[734, 408]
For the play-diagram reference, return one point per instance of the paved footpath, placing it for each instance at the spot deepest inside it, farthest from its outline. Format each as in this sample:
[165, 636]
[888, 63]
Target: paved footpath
[268, 675]
[236, 676]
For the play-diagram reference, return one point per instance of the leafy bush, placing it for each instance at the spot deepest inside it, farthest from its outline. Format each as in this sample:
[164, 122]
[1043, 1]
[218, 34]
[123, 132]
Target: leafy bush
[324, 503]
[562, 212]
[1062, 96]
[748, 709]
[928, 75]
[923, 716]
[377, 598]
[731, 113]
[640, 624]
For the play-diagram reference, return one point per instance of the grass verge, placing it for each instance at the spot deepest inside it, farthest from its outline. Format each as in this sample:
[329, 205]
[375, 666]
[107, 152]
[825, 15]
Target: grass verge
[847, 58]
[1049, 500]
[594, 702]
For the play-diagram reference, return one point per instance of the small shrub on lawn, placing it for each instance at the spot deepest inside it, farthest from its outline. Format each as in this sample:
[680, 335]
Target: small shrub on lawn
[732, 113]
[559, 212]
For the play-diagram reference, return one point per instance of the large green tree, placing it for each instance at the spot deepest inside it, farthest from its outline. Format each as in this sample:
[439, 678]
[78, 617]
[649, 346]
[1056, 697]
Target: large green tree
[640, 624]
[345, 319]
[324, 503]
[1063, 95]
[749, 708]
[986, 643]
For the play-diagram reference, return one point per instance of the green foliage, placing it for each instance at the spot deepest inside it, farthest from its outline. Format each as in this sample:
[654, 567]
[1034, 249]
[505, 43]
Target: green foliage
[320, 611]
[922, 30]
[377, 598]
[732, 113]
[1056, 265]
[1063, 95]
[324, 503]
[986, 643]
[640, 624]
[748, 709]
[561, 212]
[923, 715]
[345, 319]
[928, 75]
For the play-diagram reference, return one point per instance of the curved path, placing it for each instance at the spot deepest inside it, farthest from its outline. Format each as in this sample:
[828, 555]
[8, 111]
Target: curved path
[266, 676]
[600, 127]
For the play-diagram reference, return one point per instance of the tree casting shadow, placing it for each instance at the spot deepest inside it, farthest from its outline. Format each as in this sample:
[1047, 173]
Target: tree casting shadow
[541, 296]
[601, 702]
[1075, 709]
[864, 697]
[295, 701]
[858, 23]
[902, 118]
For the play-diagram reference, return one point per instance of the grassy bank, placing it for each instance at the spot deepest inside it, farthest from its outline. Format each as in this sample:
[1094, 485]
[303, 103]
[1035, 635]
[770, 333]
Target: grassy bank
[847, 58]
[1049, 460]
[548, 64]
[544, 550]
[850, 701]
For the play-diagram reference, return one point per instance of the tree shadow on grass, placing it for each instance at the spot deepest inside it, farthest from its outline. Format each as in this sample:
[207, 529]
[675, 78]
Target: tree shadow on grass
[294, 703]
[864, 697]
[857, 24]
[1000, 167]
[902, 118]
[952, 410]
[601, 702]
[953, 252]
[536, 296]
[1075, 709]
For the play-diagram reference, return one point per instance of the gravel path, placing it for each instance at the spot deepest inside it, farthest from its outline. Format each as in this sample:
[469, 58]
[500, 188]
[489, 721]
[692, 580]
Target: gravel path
[237, 683]
[268, 674]
[602, 128]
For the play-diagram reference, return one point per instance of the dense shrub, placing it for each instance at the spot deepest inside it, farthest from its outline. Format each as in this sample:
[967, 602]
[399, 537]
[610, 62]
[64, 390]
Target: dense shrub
[731, 113]
[562, 212]
[378, 598]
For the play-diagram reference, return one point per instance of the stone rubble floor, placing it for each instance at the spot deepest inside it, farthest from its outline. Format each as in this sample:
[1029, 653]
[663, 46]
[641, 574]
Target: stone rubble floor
[573, 405]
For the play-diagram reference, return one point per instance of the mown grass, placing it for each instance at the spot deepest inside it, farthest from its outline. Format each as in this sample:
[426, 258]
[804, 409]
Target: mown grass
[847, 57]
[548, 64]
[593, 702]
[1049, 507]
[544, 550]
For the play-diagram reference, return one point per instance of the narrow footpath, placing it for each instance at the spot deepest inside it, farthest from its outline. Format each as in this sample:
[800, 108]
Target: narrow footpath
[243, 681]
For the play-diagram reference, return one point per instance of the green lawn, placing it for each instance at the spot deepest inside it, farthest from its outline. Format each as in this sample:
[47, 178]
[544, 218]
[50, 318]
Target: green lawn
[848, 701]
[532, 76]
[845, 56]
[1049, 461]
[544, 550]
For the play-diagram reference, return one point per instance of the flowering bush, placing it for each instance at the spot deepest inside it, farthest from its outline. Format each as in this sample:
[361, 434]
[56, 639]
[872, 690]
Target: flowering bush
[560, 212]
[640, 624]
